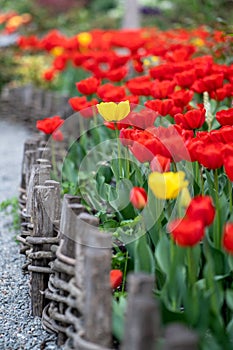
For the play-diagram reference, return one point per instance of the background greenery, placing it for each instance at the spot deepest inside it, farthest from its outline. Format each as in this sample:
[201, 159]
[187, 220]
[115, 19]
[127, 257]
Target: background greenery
[71, 16]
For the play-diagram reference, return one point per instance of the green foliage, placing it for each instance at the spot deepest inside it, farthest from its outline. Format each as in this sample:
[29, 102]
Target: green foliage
[11, 207]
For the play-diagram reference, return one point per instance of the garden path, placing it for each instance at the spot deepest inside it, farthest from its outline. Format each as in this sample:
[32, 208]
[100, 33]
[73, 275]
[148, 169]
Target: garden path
[18, 329]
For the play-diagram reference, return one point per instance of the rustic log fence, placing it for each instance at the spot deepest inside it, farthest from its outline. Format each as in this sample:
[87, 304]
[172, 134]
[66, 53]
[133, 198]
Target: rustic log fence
[69, 262]
[28, 103]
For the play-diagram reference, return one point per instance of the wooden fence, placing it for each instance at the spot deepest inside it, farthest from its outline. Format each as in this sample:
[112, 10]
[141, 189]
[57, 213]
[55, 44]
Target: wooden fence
[69, 262]
[28, 104]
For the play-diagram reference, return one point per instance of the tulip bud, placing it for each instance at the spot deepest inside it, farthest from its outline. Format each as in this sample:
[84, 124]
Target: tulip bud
[201, 208]
[138, 197]
[228, 237]
[116, 277]
[57, 135]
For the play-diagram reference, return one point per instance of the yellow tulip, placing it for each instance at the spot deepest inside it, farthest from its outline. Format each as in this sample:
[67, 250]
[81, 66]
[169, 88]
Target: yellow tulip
[84, 38]
[167, 185]
[112, 111]
[57, 51]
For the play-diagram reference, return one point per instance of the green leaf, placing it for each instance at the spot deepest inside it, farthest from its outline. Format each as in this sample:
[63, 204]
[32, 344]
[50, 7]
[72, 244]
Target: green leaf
[69, 171]
[118, 317]
[143, 257]
[162, 254]
[229, 298]
[230, 329]
[230, 261]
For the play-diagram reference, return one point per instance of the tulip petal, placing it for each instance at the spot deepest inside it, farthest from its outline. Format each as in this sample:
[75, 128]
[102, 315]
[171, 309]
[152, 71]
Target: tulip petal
[107, 110]
[123, 109]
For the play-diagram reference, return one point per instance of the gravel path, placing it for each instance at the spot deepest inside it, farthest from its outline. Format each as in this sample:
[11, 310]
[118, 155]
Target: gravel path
[18, 329]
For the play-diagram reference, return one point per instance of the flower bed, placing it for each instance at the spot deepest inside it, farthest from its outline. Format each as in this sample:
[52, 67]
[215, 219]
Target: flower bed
[149, 153]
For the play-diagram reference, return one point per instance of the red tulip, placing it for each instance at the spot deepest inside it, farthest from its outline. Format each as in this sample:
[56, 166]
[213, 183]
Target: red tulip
[228, 166]
[193, 119]
[138, 197]
[49, 75]
[228, 237]
[116, 277]
[88, 86]
[225, 117]
[160, 164]
[163, 107]
[49, 125]
[111, 93]
[162, 89]
[57, 135]
[221, 93]
[201, 208]
[163, 71]
[186, 232]
[140, 85]
[210, 155]
[182, 98]
[82, 105]
[117, 74]
[186, 78]
[209, 83]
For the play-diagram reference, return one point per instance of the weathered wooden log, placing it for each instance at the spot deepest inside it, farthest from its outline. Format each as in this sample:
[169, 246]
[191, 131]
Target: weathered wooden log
[43, 226]
[92, 286]
[44, 153]
[179, 337]
[142, 324]
[39, 174]
[63, 270]
[29, 145]
[97, 296]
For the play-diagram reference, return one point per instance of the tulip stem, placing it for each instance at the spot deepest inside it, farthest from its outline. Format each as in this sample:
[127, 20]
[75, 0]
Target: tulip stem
[119, 152]
[191, 264]
[217, 240]
[94, 115]
[125, 271]
[54, 165]
[230, 194]
[172, 252]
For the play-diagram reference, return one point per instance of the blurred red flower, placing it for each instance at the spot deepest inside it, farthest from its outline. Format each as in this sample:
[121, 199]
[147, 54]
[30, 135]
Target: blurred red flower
[163, 107]
[225, 117]
[138, 197]
[162, 89]
[116, 277]
[49, 125]
[201, 208]
[186, 232]
[209, 83]
[228, 166]
[160, 164]
[228, 237]
[181, 98]
[82, 105]
[140, 85]
[186, 79]
[210, 155]
[57, 135]
[193, 119]
[88, 86]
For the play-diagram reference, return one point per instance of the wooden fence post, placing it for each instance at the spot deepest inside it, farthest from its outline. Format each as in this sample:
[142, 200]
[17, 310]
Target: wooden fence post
[180, 337]
[38, 175]
[43, 218]
[97, 309]
[142, 323]
[29, 145]
[92, 284]
[54, 317]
